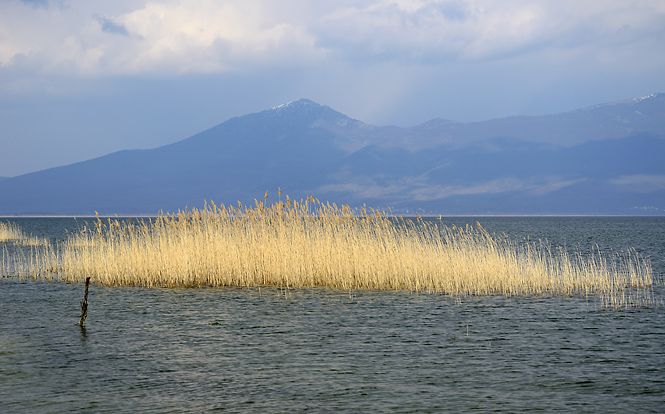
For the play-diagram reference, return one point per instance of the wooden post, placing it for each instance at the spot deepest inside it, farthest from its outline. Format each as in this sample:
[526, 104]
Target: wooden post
[84, 303]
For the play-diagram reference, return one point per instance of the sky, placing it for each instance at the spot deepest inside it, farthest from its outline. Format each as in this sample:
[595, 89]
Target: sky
[83, 78]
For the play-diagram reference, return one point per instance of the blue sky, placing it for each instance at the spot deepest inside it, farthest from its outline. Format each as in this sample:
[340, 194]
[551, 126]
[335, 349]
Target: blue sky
[83, 78]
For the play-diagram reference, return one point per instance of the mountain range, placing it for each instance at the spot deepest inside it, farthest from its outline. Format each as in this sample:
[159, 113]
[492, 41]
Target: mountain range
[608, 159]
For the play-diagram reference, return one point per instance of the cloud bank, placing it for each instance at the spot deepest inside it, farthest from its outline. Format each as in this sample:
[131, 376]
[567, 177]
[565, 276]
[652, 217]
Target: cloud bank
[96, 38]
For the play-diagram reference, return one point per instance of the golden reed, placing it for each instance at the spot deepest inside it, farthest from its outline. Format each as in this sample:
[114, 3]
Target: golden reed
[11, 232]
[308, 243]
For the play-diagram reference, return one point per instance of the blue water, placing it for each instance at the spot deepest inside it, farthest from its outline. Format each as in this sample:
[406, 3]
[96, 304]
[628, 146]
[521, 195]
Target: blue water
[319, 350]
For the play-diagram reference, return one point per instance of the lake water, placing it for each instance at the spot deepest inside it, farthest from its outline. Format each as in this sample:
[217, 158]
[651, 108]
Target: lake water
[319, 350]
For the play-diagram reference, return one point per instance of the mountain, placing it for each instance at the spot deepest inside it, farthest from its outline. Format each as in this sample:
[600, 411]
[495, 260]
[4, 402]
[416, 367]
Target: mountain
[611, 120]
[607, 159]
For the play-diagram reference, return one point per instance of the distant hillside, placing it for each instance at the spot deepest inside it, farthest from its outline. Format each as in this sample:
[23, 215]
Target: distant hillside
[607, 159]
[611, 120]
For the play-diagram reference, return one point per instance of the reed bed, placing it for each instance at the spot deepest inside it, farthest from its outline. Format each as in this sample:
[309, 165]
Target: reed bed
[11, 232]
[307, 243]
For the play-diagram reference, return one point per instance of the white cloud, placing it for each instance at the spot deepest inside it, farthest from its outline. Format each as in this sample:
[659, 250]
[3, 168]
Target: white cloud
[443, 30]
[210, 36]
[641, 183]
[172, 36]
[176, 36]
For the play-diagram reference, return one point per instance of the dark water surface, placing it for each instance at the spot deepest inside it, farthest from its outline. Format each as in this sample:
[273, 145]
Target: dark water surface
[318, 350]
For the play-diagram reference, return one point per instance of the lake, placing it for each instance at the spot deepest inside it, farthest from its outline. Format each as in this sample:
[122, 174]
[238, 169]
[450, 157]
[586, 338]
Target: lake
[321, 350]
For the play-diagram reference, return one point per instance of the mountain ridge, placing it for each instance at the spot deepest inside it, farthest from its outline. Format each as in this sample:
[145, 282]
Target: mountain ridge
[604, 159]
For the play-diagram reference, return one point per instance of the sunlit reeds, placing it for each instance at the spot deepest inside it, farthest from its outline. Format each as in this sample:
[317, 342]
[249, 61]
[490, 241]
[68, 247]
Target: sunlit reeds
[307, 243]
[11, 232]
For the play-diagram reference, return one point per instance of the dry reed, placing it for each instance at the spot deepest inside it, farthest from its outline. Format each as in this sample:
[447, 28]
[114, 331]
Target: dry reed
[307, 243]
[11, 232]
